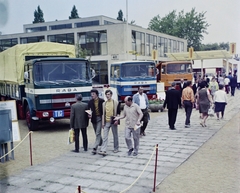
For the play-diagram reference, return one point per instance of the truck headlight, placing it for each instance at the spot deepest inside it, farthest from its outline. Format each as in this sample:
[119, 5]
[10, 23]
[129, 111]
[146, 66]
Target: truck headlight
[45, 114]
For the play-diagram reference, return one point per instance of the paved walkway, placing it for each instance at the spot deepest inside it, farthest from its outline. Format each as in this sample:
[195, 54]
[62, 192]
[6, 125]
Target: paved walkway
[116, 172]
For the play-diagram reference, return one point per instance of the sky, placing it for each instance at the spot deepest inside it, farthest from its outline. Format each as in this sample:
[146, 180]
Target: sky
[222, 15]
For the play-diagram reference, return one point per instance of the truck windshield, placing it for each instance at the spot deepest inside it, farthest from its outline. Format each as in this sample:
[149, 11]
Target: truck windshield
[138, 70]
[61, 72]
[178, 68]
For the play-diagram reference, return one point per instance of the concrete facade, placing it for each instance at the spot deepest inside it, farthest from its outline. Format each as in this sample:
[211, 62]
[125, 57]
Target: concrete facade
[109, 40]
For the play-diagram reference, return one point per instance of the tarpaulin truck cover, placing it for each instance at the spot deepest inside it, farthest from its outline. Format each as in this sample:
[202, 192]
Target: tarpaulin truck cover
[12, 60]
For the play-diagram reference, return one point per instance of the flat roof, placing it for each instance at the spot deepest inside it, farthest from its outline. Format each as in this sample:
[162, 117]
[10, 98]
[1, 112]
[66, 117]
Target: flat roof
[200, 55]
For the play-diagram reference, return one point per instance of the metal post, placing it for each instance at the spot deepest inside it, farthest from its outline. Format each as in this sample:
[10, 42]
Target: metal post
[155, 171]
[30, 141]
[79, 189]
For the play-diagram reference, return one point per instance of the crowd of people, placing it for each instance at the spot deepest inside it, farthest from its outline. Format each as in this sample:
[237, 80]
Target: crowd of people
[204, 94]
[105, 115]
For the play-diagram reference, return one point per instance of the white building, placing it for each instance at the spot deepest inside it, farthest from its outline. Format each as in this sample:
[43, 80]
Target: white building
[107, 39]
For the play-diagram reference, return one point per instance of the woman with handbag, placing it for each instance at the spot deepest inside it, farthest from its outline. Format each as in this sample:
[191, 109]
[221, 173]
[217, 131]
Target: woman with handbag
[204, 100]
[220, 101]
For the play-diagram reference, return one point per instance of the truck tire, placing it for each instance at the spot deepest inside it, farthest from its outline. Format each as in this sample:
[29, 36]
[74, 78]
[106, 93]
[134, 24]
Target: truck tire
[32, 124]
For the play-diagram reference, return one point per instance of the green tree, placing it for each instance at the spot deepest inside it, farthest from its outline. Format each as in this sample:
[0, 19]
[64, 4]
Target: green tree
[38, 16]
[74, 13]
[190, 26]
[82, 53]
[214, 46]
[120, 15]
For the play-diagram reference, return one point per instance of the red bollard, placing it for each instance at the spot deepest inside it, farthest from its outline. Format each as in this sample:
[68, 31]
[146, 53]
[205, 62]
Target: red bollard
[155, 171]
[30, 141]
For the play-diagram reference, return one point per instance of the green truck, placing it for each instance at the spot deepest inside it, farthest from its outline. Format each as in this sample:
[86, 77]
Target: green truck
[44, 79]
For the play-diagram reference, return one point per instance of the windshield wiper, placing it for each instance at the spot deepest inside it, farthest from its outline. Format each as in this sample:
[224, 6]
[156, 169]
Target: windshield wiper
[65, 81]
[46, 82]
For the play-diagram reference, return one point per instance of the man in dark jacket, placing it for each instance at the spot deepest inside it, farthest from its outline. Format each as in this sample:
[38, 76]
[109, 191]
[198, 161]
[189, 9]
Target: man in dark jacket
[79, 121]
[95, 105]
[233, 83]
[172, 101]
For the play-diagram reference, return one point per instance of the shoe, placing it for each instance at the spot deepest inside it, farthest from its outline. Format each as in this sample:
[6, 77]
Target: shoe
[85, 150]
[144, 134]
[115, 150]
[202, 124]
[187, 126]
[130, 151]
[172, 128]
[94, 151]
[135, 154]
[103, 153]
[75, 151]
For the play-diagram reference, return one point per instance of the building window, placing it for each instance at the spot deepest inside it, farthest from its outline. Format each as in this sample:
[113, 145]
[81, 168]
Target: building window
[165, 46]
[151, 44]
[36, 29]
[181, 47]
[87, 23]
[138, 42]
[7, 43]
[95, 42]
[62, 38]
[160, 46]
[62, 26]
[31, 39]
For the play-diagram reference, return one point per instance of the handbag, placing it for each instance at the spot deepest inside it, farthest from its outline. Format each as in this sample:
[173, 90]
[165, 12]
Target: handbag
[210, 112]
[71, 136]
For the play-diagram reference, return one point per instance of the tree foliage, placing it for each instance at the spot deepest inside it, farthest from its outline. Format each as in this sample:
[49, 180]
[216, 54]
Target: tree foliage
[82, 53]
[214, 46]
[74, 13]
[120, 15]
[38, 16]
[190, 26]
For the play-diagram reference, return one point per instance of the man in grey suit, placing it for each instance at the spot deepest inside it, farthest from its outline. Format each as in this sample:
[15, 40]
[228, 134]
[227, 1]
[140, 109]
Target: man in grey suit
[79, 121]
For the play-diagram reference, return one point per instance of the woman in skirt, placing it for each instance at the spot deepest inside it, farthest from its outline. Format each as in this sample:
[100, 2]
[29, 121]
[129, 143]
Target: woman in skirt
[220, 99]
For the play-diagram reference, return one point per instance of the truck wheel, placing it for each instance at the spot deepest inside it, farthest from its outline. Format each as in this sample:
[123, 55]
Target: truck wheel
[32, 124]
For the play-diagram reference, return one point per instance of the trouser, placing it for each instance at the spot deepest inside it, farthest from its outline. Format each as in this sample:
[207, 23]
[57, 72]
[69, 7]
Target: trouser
[128, 138]
[188, 110]
[227, 89]
[84, 137]
[106, 129]
[172, 115]
[144, 120]
[232, 90]
[98, 129]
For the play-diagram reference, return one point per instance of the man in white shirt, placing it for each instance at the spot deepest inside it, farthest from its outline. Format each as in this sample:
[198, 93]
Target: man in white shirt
[141, 100]
[226, 84]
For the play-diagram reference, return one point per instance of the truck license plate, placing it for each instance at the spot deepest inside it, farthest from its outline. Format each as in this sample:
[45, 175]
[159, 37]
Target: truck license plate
[58, 113]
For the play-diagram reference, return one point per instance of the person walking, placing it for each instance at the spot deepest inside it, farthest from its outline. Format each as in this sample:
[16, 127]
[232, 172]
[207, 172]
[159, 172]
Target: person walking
[188, 100]
[204, 101]
[226, 84]
[95, 106]
[111, 109]
[182, 85]
[172, 101]
[233, 84]
[213, 86]
[133, 115]
[220, 101]
[79, 121]
[141, 100]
